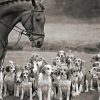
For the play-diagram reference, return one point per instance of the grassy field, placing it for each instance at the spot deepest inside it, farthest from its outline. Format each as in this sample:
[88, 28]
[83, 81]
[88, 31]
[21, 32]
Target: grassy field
[22, 57]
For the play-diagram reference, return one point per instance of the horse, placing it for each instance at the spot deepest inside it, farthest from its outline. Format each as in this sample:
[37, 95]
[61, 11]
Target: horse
[30, 14]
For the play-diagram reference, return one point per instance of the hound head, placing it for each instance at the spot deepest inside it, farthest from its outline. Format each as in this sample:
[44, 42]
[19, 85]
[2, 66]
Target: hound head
[35, 56]
[28, 66]
[47, 69]
[12, 66]
[96, 64]
[25, 74]
[41, 62]
[61, 54]
[74, 72]
[79, 62]
[57, 61]
[94, 70]
[63, 71]
[72, 57]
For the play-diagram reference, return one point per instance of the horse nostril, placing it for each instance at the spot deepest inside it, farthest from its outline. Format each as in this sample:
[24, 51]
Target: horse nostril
[38, 43]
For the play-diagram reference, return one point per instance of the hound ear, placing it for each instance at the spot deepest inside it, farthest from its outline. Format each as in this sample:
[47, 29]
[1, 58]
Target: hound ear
[65, 53]
[82, 62]
[54, 63]
[43, 70]
[7, 69]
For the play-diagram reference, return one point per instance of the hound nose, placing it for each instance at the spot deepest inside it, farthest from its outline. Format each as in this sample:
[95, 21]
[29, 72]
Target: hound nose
[61, 56]
[76, 75]
[61, 73]
[51, 73]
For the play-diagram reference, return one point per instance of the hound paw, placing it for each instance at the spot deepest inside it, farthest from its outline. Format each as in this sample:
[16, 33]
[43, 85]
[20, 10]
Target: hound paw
[1, 97]
[86, 90]
[92, 89]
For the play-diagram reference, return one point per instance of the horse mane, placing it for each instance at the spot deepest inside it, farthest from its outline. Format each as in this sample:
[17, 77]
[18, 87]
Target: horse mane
[7, 2]
[11, 1]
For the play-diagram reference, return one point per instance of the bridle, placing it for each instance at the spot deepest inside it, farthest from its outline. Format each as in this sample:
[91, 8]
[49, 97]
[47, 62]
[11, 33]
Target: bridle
[29, 32]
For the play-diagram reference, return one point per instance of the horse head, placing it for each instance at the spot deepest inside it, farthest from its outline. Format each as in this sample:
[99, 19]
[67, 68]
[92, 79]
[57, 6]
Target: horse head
[33, 21]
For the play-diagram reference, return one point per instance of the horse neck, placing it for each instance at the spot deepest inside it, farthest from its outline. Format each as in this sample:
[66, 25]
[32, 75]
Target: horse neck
[16, 6]
[7, 24]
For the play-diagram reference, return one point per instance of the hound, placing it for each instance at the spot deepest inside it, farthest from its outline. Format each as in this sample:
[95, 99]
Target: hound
[92, 74]
[62, 55]
[98, 83]
[96, 57]
[45, 83]
[75, 80]
[64, 84]
[9, 80]
[26, 85]
[70, 61]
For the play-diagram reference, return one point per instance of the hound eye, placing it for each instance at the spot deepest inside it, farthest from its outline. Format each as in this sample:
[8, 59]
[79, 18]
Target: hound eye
[47, 68]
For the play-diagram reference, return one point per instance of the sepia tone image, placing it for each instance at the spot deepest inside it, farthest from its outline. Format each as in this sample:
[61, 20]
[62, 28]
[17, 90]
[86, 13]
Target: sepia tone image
[49, 49]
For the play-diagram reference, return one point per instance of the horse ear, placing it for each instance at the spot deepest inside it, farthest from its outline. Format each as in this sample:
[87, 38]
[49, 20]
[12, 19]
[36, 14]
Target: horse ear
[34, 3]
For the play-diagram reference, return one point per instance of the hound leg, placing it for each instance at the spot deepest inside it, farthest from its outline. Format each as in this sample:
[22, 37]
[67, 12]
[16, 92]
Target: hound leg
[22, 94]
[68, 94]
[1, 88]
[5, 90]
[30, 93]
[91, 86]
[40, 93]
[17, 91]
[14, 90]
[54, 92]
[98, 90]
[49, 94]
[60, 93]
[87, 86]
[77, 91]
[80, 88]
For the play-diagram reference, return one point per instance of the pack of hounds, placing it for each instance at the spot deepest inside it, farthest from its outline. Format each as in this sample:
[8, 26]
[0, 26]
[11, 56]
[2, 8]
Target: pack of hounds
[64, 79]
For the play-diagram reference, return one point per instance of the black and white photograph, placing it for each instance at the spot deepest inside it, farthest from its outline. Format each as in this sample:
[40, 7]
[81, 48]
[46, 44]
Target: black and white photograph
[49, 49]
